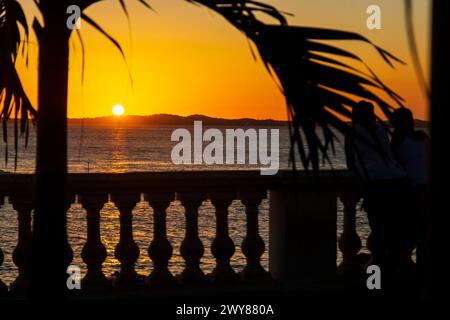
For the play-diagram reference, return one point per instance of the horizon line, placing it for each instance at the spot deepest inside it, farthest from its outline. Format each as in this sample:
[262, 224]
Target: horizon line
[187, 116]
[171, 114]
[192, 115]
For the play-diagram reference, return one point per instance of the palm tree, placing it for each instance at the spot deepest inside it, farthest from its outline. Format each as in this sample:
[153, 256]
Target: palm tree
[12, 94]
[51, 253]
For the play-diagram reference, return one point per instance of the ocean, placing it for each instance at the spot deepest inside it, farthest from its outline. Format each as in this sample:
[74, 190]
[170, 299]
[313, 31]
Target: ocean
[118, 148]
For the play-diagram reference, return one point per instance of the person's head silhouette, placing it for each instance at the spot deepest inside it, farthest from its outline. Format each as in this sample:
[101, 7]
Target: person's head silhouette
[403, 120]
[363, 114]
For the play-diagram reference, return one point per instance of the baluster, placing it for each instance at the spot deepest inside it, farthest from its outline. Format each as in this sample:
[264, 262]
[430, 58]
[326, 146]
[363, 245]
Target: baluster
[192, 249]
[370, 244]
[253, 245]
[160, 250]
[3, 287]
[376, 245]
[127, 251]
[94, 252]
[222, 246]
[23, 204]
[349, 242]
[70, 198]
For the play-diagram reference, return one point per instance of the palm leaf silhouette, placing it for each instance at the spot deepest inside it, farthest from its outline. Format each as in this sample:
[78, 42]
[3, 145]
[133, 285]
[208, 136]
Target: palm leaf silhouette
[319, 87]
[12, 95]
[413, 48]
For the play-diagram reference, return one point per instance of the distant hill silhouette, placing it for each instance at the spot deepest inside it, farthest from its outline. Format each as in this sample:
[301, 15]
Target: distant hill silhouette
[169, 119]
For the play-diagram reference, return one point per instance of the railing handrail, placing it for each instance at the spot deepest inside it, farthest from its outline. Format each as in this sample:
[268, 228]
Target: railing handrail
[328, 180]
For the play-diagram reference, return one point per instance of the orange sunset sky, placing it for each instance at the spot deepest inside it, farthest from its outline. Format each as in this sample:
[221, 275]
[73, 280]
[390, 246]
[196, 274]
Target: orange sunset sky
[185, 59]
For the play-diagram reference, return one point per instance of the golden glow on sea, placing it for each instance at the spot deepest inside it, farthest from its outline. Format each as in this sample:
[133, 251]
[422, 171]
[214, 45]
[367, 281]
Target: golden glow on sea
[185, 59]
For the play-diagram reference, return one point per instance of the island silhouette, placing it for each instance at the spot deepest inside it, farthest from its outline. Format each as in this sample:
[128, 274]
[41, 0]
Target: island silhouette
[164, 119]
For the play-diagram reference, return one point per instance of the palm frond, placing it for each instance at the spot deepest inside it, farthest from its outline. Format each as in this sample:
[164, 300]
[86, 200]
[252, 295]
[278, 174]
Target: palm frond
[86, 3]
[96, 26]
[413, 47]
[12, 95]
[319, 86]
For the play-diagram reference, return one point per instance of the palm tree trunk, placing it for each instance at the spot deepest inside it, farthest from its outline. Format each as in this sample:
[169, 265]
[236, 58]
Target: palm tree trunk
[51, 253]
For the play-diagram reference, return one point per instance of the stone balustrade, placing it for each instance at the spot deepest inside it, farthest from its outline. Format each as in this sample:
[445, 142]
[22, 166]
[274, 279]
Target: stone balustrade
[302, 235]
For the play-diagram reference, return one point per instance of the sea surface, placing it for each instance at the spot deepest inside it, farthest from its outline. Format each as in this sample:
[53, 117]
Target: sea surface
[119, 149]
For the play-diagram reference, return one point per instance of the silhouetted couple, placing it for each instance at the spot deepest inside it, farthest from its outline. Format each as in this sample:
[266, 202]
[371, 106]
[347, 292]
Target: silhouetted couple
[394, 176]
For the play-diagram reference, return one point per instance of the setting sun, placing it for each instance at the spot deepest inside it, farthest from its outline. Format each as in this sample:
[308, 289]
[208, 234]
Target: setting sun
[118, 110]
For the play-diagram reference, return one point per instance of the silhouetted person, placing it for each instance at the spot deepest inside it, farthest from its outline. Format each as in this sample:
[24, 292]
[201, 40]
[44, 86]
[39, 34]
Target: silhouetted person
[411, 147]
[369, 154]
